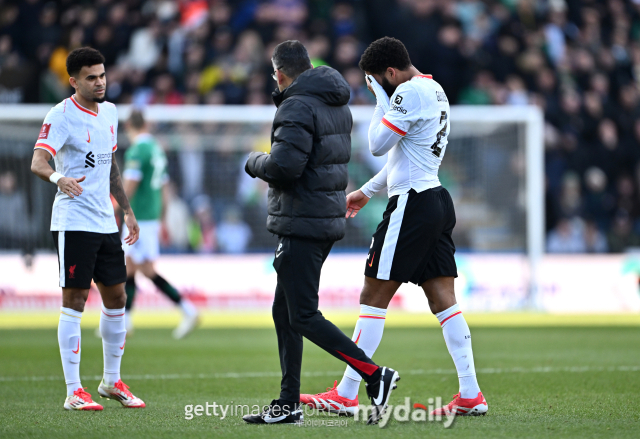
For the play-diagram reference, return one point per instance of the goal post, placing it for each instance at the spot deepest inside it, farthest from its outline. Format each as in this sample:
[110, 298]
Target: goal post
[532, 118]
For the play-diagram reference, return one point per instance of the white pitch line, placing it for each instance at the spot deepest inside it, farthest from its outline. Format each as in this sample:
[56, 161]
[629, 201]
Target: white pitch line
[227, 375]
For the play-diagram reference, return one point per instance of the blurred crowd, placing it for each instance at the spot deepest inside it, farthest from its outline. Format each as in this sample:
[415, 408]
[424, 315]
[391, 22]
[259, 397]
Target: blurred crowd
[579, 60]
[172, 52]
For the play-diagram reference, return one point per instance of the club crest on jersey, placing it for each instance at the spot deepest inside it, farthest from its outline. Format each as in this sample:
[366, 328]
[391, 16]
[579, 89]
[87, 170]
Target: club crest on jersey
[398, 100]
[113, 134]
[44, 132]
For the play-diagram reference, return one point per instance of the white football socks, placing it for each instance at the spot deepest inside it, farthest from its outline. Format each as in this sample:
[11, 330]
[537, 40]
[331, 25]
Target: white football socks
[114, 333]
[128, 322]
[188, 308]
[458, 339]
[367, 336]
[69, 342]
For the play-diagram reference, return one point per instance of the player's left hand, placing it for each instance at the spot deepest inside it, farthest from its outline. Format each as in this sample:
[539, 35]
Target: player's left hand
[356, 200]
[132, 226]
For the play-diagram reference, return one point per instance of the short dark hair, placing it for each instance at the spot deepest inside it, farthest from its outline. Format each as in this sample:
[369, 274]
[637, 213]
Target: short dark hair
[383, 53]
[291, 58]
[136, 119]
[84, 56]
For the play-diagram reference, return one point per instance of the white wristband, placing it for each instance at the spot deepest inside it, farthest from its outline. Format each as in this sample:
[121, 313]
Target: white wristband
[53, 178]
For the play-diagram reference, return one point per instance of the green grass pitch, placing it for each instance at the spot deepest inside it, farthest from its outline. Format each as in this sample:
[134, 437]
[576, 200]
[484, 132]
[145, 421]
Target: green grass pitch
[539, 381]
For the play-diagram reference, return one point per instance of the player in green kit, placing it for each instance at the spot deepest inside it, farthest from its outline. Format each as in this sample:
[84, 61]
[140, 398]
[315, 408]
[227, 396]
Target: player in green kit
[145, 178]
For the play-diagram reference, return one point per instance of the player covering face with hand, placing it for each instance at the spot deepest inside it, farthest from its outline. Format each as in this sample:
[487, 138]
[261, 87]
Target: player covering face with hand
[413, 242]
[80, 135]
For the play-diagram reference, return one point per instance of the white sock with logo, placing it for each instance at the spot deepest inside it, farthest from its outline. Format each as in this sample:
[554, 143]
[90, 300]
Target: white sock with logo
[367, 336]
[114, 334]
[458, 339]
[69, 342]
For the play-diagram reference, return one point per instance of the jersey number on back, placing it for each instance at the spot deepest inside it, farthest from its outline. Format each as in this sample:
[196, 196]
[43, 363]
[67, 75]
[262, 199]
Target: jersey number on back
[435, 148]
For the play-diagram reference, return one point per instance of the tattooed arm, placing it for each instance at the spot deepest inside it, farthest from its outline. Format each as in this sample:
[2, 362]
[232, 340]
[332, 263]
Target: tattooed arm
[117, 190]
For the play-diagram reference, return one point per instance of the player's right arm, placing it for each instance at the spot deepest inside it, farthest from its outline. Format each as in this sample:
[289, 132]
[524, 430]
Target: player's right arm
[52, 137]
[389, 128]
[356, 200]
[381, 140]
[132, 174]
[40, 167]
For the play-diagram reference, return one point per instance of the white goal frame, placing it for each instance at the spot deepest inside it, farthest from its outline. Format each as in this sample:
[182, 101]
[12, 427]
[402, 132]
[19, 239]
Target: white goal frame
[531, 116]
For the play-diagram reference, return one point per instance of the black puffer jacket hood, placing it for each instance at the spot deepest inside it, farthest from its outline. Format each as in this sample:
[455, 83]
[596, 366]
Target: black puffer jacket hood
[310, 148]
[323, 83]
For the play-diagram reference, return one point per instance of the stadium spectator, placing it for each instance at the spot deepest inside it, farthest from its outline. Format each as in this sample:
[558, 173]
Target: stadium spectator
[202, 230]
[578, 60]
[16, 226]
[175, 236]
[233, 234]
[622, 236]
[567, 237]
[595, 241]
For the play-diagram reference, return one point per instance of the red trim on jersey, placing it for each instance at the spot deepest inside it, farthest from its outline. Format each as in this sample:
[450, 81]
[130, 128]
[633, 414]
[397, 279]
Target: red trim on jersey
[452, 315]
[393, 128]
[81, 108]
[367, 368]
[371, 317]
[423, 76]
[115, 148]
[45, 147]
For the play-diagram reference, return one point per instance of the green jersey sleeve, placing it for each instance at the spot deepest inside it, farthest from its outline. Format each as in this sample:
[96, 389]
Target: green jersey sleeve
[133, 163]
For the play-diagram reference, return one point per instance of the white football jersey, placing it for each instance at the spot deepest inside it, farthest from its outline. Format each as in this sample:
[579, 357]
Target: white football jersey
[82, 142]
[419, 113]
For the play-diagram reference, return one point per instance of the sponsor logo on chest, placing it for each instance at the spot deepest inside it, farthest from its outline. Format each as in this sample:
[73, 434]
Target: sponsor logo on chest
[100, 142]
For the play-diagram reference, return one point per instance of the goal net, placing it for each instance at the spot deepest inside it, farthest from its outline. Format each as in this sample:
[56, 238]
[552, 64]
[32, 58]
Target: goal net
[493, 168]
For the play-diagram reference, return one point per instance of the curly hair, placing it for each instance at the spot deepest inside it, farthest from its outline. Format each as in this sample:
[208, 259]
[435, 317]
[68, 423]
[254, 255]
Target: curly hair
[383, 53]
[84, 56]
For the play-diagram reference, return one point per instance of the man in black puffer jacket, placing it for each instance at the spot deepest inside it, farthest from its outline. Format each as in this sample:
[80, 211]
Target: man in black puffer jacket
[307, 175]
[310, 150]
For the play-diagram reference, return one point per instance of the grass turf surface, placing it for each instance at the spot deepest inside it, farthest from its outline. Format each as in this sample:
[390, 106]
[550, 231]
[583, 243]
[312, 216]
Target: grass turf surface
[539, 382]
[263, 319]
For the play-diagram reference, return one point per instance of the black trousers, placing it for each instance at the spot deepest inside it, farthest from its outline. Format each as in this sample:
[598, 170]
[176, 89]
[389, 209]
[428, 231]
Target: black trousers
[295, 313]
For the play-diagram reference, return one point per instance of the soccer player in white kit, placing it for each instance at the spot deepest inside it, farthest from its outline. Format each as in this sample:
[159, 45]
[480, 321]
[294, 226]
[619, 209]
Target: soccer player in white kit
[80, 135]
[413, 242]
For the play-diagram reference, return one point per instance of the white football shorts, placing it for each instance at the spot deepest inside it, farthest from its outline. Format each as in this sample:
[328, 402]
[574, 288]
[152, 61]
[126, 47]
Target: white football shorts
[147, 247]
